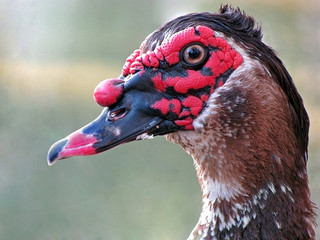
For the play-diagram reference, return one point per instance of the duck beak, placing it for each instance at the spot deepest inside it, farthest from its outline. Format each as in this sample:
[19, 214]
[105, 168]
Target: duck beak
[103, 134]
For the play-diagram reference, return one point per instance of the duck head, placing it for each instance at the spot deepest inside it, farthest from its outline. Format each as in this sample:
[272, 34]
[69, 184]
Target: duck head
[162, 89]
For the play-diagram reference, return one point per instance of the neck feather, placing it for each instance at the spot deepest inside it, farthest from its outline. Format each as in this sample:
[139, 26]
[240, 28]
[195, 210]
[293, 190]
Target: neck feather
[247, 159]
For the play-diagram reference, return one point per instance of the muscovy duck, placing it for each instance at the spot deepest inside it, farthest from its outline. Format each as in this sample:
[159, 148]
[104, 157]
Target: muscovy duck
[209, 83]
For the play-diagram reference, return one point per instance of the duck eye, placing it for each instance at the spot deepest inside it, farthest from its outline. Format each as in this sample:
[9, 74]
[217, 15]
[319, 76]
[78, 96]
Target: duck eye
[194, 54]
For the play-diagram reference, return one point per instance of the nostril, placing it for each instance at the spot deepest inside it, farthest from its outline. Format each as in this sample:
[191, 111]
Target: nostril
[117, 114]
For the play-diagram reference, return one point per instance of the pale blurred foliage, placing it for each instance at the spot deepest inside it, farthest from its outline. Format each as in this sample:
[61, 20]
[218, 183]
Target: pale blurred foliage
[52, 55]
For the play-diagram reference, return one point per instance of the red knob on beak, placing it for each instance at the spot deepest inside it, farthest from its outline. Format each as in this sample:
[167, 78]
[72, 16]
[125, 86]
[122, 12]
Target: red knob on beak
[108, 92]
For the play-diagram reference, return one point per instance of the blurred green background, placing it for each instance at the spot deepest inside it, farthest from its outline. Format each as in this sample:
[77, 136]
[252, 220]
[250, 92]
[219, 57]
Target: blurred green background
[52, 55]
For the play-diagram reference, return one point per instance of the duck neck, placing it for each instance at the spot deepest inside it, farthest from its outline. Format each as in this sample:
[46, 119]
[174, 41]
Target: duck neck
[236, 208]
[233, 210]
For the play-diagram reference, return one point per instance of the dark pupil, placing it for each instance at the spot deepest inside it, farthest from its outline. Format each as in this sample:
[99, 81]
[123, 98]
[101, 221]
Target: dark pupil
[193, 53]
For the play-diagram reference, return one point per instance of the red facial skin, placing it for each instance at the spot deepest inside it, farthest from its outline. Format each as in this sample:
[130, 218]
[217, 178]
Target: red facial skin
[191, 89]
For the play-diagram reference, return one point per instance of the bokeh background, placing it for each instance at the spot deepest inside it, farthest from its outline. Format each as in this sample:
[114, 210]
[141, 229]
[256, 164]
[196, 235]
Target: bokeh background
[52, 55]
